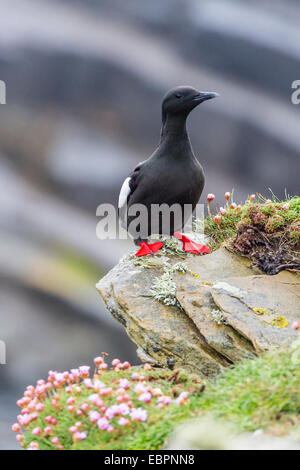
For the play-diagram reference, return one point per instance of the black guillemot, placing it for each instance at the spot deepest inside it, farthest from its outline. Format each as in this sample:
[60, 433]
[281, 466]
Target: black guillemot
[171, 175]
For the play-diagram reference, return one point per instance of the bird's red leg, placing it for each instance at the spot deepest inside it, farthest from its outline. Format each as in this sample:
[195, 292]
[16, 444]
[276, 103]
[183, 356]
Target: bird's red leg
[148, 248]
[189, 246]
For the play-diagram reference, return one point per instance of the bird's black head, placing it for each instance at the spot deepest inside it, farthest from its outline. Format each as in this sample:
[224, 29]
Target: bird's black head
[182, 99]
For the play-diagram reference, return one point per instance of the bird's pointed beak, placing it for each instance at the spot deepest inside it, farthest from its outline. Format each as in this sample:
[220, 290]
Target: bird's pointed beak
[204, 96]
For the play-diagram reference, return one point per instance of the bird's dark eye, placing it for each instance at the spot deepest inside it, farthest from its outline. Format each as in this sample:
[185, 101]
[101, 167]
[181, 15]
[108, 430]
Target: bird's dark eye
[178, 95]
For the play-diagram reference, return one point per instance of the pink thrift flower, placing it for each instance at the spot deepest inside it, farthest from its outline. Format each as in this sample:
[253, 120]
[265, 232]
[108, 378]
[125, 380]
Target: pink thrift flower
[75, 373]
[59, 378]
[217, 219]
[73, 429]
[210, 197]
[124, 383]
[106, 391]
[16, 427]
[296, 325]
[36, 431]
[85, 407]
[165, 400]
[223, 211]
[145, 397]
[181, 398]
[286, 207]
[139, 388]
[98, 385]
[33, 445]
[115, 362]
[79, 436]
[138, 414]
[55, 440]
[84, 371]
[48, 430]
[135, 376]
[112, 411]
[123, 409]
[88, 383]
[123, 421]
[98, 360]
[94, 416]
[227, 195]
[94, 398]
[40, 407]
[103, 424]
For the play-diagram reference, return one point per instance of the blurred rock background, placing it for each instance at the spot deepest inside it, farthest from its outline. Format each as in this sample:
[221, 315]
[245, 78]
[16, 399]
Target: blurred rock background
[84, 85]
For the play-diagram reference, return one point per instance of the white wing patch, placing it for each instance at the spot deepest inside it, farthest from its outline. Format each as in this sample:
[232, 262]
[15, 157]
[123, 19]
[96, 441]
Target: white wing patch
[124, 193]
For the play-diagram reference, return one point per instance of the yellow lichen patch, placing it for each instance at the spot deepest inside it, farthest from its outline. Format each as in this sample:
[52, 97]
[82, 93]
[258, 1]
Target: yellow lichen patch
[280, 322]
[206, 283]
[196, 276]
[261, 311]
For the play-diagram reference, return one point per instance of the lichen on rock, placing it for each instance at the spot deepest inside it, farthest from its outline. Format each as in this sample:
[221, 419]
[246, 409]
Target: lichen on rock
[202, 313]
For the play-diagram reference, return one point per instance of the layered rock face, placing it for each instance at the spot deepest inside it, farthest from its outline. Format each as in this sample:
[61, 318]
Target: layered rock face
[219, 310]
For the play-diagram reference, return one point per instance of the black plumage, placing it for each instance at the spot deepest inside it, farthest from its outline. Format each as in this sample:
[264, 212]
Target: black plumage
[172, 174]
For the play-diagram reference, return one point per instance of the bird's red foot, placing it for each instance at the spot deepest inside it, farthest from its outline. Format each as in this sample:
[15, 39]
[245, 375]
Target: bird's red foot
[149, 248]
[191, 247]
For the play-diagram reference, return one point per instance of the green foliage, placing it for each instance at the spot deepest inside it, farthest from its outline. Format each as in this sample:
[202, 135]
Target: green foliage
[148, 435]
[279, 215]
[255, 392]
[259, 393]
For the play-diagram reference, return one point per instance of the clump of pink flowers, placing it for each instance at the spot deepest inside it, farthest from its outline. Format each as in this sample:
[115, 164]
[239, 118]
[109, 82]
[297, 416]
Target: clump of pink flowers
[230, 208]
[90, 403]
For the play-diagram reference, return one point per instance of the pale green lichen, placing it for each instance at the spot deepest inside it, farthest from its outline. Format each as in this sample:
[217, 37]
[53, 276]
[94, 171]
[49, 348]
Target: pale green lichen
[172, 247]
[180, 267]
[218, 317]
[163, 288]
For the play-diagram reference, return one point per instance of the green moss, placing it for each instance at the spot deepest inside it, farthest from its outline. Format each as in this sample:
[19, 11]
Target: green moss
[294, 236]
[275, 223]
[275, 216]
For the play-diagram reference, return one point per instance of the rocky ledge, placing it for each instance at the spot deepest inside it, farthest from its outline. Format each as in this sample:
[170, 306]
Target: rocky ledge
[201, 312]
